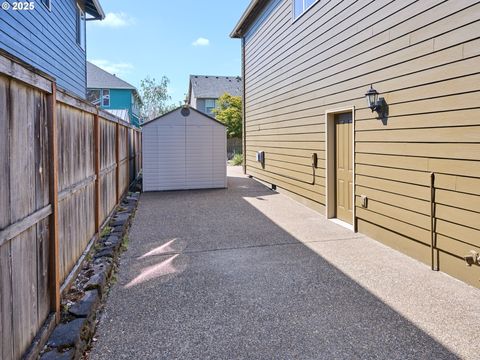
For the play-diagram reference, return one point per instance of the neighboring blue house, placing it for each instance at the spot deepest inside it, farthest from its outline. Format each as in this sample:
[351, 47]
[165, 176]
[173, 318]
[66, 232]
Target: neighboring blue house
[113, 94]
[51, 37]
[204, 91]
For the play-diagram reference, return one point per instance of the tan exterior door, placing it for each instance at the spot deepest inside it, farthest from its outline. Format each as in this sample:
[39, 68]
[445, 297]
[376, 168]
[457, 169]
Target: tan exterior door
[343, 167]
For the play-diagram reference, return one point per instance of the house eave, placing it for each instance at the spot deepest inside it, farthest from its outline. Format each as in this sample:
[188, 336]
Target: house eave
[94, 9]
[249, 15]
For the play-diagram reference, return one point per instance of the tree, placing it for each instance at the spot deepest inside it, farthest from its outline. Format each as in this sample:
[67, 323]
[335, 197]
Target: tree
[229, 112]
[154, 97]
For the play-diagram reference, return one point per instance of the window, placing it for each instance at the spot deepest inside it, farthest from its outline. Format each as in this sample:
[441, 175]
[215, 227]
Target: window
[80, 24]
[106, 97]
[93, 95]
[300, 6]
[47, 4]
[210, 105]
[99, 97]
[136, 104]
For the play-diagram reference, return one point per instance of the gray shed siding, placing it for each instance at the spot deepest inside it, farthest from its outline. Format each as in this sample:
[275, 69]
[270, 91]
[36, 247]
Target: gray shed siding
[47, 40]
[423, 57]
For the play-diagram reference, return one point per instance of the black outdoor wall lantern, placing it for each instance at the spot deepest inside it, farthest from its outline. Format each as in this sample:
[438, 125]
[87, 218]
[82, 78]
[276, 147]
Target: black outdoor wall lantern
[376, 103]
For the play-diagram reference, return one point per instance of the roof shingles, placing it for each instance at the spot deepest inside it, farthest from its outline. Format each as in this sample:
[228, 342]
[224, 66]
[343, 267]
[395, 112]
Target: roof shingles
[98, 78]
[212, 87]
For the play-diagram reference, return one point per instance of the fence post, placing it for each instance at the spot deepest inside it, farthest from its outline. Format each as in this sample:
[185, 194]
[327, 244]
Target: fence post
[54, 256]
[137, 153]
[127, 142]
[96, 136]
[117, 159]
[134, 155]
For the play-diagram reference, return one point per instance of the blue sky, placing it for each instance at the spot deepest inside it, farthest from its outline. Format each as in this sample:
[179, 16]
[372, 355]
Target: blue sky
[171, 38]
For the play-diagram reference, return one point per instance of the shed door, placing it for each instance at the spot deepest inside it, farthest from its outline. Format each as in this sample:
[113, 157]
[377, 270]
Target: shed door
[199, 157]
[168, 161]
[344, 167]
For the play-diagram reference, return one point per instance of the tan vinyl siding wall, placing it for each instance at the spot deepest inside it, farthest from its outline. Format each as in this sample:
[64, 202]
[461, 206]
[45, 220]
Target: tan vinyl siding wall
[424, 58]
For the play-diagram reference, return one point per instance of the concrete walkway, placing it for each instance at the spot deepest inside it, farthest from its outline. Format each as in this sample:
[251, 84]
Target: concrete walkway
[247, 273]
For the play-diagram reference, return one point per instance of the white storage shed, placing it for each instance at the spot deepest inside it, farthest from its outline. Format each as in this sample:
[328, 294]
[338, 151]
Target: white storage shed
[184, 149]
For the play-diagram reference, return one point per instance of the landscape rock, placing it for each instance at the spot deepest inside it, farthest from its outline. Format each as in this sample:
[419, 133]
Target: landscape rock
[117, 234]
[108, 251]
[137, 187]
[129, 204]
[133, 197]
[57, 355]
[66, 335]
[112, 240]
[69, 340]
[118, 222]
[101, 264]
[86, 306]
[117, 229]
[122, 216]
[97, 281]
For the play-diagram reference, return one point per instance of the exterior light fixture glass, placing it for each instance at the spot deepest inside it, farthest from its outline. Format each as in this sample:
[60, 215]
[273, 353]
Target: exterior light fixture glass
[376, 103]
[372, 97]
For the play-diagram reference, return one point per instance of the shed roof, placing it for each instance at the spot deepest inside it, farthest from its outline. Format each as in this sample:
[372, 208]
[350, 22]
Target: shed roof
[98, 78]
[180, 108]
[120, 113]
[207, 86]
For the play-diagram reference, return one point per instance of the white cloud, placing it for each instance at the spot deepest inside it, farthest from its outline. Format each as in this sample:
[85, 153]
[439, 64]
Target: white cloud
[201, 42]
[118, 69]
[116, 20]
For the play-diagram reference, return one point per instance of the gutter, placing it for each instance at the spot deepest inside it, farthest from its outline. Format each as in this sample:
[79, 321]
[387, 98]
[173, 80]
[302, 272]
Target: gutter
[100, 13]
[247, 18]
[99, 8]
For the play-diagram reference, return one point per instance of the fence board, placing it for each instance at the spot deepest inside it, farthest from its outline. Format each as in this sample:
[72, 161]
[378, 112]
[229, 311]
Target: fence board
[130, 166]
[24, 290]
[6, 303]
[4, 153]
[30, 76]
[53, 183]
[41, 152]
[22, 166]
[108, 194]
[43, 280]
[20, 226]
[76, 225]
[234, 146]
[96, 137]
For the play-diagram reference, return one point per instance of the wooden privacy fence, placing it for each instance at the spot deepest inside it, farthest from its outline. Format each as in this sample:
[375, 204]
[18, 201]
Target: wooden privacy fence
[234, 146]
[64, 165]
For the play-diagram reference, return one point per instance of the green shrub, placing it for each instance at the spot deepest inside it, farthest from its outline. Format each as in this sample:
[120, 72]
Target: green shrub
[125, 242]
[237, 159]
[105, 231]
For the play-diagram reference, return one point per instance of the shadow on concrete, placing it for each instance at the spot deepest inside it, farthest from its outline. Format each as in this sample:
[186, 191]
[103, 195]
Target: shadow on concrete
[207, 275]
